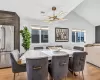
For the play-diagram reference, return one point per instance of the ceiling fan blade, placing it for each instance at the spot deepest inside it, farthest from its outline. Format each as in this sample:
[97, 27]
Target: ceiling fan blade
[61, 13]
[46, 20]
[65, 19]
[50, 22]
[50, 17]
[57, 19]
[62, 19]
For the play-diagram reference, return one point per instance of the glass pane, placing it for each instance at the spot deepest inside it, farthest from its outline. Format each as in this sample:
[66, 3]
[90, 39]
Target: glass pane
[82, 36]
[73, 36]
[35, 36]
[44, 36]
[78, 36]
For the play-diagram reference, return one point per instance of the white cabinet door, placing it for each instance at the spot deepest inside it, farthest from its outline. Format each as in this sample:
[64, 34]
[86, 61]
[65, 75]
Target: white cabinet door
[93, 55]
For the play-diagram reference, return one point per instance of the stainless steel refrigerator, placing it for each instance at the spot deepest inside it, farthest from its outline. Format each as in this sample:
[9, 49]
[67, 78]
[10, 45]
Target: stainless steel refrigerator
[6, 44]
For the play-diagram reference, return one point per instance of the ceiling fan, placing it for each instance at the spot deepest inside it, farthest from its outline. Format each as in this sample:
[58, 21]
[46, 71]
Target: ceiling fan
[55, 17]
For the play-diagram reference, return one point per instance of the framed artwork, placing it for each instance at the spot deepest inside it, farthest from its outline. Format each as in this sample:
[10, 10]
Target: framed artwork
[61, 34]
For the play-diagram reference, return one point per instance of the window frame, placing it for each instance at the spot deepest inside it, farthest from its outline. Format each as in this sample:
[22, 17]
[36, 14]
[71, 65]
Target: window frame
[31, 35]
[41, 35]
[40, 29]
[80, 31]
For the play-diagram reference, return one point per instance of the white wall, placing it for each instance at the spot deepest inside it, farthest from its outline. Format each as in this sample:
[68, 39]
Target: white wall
[90, 10]
[74, 22]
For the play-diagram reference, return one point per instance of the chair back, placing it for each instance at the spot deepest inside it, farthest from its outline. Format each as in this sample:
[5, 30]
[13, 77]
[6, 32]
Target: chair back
[49, 47]
[38, 48]
[60, 46]
[59, 66]
[78, 61]
[13, 61]
[79, 48]
[37, 69]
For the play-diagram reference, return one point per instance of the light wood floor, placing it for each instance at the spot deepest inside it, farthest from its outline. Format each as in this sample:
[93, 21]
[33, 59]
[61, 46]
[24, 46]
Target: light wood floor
[90, 73]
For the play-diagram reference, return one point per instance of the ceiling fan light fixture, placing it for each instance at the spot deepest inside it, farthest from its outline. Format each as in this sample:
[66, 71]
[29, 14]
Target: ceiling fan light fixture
[55, 17]
[53, 8]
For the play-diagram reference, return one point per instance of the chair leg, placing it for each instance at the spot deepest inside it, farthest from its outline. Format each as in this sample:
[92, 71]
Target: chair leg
[66, 78]
[73, 74]
[50, 77]
[79, 74]
[83, 75]
[18, 74]
[14, 76]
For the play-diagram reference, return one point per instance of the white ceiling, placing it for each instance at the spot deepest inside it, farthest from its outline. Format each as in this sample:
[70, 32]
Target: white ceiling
[90, 10]
[33, 8]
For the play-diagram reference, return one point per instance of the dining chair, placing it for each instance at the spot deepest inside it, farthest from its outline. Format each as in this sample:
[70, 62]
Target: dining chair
[49, 47]
[78, 48]
[77, 62]
[60, 46]
[38, 48]
[16, 68]
[37, 69]
[58, 68]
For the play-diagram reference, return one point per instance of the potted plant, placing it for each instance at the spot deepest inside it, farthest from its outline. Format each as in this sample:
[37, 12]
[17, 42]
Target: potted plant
[26, 38]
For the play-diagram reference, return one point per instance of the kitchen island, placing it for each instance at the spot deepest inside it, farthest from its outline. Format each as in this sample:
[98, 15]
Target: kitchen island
[93, 56]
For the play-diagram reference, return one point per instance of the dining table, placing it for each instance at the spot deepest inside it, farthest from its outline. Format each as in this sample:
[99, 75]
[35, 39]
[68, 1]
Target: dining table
[35, 54]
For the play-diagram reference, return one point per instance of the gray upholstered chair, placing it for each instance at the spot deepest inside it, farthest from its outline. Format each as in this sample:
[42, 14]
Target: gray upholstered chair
[77, 62]
[37, 69]
[78, 48]
[59, 46]
[58, 68]
[38, 48]
[16, 68]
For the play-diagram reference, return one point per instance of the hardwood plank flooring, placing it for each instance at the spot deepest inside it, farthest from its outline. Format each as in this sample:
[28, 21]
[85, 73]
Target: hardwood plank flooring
[90, 73]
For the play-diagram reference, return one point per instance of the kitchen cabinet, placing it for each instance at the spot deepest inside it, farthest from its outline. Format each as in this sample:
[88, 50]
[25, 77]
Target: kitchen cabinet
[93, 55]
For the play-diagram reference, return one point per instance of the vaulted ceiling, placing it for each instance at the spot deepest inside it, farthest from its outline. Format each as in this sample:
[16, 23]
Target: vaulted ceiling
[33, 8]
[90, 10]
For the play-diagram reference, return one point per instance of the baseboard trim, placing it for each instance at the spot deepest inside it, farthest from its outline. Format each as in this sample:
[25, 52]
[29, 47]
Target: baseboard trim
[5, 67]
[93, 64]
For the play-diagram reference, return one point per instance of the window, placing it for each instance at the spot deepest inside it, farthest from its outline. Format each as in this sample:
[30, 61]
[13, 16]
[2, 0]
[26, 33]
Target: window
[73, 36]
[35, 36]
[44, 36]
[39, 35]
[78, 35]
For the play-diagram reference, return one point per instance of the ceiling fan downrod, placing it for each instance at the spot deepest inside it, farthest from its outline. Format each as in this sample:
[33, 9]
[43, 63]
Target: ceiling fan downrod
[54, 9]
